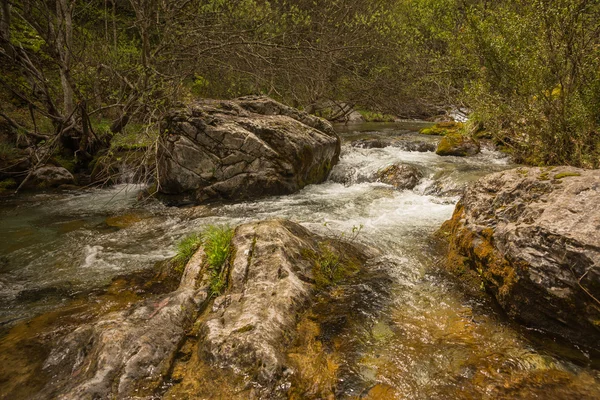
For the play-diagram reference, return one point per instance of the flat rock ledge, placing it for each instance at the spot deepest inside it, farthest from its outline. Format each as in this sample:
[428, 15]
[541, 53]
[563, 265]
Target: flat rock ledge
[246, 331]
[242, 149]
[532, 236]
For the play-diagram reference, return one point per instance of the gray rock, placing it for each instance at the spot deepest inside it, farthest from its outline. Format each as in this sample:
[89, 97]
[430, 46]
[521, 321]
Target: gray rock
[270, 282]
[51, 176]
[243, 149]
[533, 236]
[400, 176]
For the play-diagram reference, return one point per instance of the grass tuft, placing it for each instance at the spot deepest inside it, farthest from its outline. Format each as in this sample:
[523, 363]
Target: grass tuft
[216, 241]
[186, 249]
[217, 247]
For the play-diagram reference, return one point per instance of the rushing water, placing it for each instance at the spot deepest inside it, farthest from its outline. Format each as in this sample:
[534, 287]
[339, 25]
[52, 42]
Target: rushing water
[420, 338]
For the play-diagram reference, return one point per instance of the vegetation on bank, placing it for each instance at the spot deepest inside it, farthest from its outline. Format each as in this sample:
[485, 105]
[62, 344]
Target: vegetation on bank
[79, 80]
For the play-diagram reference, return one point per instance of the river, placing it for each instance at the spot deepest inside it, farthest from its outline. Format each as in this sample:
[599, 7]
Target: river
[419, 338]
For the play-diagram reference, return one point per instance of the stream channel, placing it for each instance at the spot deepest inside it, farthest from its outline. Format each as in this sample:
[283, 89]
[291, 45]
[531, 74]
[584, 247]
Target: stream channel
[419, 338]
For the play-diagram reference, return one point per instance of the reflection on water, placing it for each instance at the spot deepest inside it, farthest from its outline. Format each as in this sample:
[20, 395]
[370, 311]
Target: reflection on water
[416, 337]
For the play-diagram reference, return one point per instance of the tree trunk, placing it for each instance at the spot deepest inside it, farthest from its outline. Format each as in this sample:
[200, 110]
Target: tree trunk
[64, 46]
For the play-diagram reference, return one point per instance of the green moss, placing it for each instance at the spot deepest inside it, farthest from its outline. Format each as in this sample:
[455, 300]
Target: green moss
[442, 129]
[66, 163]
[8, 152]
[448, 144]
[245, 328]
[522, 171]
[565, 174]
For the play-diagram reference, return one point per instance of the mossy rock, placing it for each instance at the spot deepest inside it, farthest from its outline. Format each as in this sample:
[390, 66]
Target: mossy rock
[442, 128]
[457, 145]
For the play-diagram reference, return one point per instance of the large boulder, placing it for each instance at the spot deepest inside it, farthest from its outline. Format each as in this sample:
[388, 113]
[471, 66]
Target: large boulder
[243, 149]
[273, 273]
[532, 235]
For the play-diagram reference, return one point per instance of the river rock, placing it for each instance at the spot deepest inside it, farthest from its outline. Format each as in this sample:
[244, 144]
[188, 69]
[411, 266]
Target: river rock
[51, 176]
[273, 274]
[243, 149]
[400, 176]
[457, 145]
[273, 278]
[533, 237]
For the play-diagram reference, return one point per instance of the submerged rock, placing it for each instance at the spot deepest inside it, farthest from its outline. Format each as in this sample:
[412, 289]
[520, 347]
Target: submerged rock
[406, 145]
[400, 176]
[532, 235]
[243, 149]
[457, 145]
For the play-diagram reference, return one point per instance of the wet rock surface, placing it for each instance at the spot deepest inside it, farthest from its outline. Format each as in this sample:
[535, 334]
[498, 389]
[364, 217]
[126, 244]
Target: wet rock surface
[273, 277]
[400, 176]
[243, 149]
[276, 268]
[406, 145]
[533, 236]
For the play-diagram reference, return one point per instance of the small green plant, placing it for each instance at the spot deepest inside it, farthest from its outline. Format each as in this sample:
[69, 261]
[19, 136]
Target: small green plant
[186, 249]
[216, 241]
[7, 184]
[217, 247]
[356, 229]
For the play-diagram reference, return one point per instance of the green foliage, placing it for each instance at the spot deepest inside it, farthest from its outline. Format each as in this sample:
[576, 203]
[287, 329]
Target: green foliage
[65, 162]
[216, 243]
[536, 86]
[373, 116]
[331, 266]
[527, 69]
[135, 136]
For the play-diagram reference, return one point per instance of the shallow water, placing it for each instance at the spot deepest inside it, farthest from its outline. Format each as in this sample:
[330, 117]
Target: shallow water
[418, 337]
